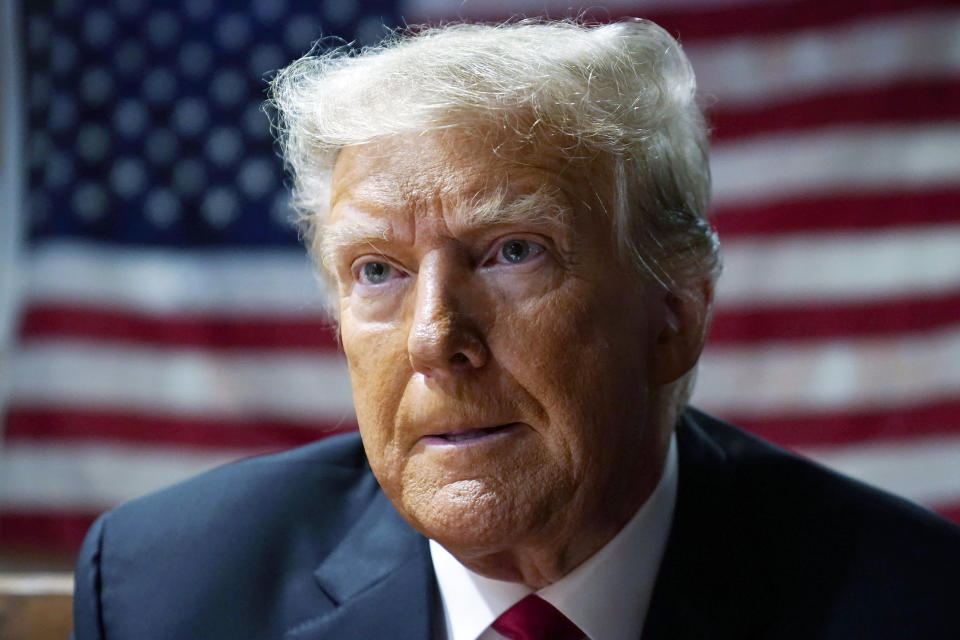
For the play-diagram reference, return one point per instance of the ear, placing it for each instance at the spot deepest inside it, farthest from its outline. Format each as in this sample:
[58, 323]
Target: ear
[683, 333]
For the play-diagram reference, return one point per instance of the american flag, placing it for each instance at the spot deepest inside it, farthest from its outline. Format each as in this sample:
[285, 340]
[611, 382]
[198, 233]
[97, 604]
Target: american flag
[160, 317]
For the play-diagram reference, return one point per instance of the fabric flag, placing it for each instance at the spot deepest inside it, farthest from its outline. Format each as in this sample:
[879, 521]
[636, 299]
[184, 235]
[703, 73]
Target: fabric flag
[166, 320]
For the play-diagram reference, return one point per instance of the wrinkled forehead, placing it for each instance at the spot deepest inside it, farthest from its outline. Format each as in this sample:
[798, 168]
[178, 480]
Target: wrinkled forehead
[466, 165]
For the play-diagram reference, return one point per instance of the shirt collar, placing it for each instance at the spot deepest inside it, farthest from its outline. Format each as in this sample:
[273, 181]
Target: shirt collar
[607, 596]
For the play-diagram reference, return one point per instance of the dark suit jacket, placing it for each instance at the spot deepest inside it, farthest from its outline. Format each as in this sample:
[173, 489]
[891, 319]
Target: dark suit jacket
[304, 545]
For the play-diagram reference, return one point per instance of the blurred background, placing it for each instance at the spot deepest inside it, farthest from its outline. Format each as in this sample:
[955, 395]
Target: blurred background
[158, 315]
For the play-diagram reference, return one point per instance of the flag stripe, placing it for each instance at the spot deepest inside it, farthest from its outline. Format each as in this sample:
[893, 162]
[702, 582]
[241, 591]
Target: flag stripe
[950, 511]
[755, 68]
[840, 212]
[252, 384]
[849, 427]
[162, 281]
[690, 20]
[805, 269]
[783, 17]
[909, 100]
[854, 374]
[135, 426]
[211, 332]
[833, 161]
[49, 474]
[911, 314]
[53, 531]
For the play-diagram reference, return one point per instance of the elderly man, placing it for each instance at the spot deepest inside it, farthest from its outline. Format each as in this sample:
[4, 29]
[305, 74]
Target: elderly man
[510, 221]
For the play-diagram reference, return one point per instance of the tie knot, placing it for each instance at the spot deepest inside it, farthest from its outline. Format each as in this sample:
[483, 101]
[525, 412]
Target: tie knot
[533, 618]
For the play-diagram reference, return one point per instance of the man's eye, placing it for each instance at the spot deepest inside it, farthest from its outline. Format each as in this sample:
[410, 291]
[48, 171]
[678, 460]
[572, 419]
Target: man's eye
[375, 272]
[516, 250]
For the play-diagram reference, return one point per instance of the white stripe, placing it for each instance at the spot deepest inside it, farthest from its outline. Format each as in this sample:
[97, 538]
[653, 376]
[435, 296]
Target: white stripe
[437, 9]
[33, 583]
[168, 281]
[840, 267]
[62, 373]
[92, 477]
[924, 470]
[836, 160]
[751, 70]
[876, 373]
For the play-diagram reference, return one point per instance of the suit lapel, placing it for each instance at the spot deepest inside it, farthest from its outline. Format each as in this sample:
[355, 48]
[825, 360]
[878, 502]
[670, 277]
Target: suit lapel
[380, 580]
[711, 582]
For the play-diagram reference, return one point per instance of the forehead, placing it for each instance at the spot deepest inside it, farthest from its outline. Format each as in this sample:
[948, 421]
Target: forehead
[415, 171]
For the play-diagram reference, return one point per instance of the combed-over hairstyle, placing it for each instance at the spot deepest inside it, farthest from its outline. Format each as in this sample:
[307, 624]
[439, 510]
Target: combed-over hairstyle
[623, 90]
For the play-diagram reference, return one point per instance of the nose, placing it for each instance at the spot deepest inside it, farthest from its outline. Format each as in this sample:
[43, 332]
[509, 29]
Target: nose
[445, 338]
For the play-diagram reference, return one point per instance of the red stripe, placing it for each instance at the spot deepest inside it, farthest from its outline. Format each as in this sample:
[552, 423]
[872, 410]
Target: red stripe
[949, 511]
[905, 102]
[50, 532]
[793, 322]
[703, 22]
[208, 332]
[839, 212]
[250, 433]
[754, 19]
[853, 427]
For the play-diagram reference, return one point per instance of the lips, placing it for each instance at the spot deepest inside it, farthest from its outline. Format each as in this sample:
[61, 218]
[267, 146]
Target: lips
[469, 434]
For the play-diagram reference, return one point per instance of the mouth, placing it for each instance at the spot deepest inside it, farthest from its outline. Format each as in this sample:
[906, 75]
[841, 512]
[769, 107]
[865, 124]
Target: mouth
[471, 434]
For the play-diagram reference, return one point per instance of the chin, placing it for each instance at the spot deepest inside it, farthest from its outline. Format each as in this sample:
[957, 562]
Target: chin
[470, 517]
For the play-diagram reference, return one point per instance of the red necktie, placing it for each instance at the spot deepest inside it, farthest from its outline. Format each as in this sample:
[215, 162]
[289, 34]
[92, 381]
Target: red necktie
[533, 618]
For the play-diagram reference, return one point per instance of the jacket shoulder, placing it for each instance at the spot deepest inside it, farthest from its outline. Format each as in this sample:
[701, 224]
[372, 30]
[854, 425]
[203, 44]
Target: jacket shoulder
[241, 538]
[765, 539]
[774, 480]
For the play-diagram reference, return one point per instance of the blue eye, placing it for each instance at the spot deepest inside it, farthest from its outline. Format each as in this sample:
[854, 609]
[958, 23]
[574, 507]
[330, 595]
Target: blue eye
[375, 272]
[516, 251]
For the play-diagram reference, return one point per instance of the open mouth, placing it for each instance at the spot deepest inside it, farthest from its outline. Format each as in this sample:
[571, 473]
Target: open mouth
[473, 434]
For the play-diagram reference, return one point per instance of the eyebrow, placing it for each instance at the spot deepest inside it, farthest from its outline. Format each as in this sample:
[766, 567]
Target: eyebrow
[350, 234]
[541, 208]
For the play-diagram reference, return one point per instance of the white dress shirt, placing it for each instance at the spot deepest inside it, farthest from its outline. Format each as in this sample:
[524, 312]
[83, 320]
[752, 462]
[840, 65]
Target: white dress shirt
[607, 596]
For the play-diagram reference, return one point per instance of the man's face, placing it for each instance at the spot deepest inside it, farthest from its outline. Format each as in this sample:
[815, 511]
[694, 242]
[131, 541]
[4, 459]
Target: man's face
[498, 350]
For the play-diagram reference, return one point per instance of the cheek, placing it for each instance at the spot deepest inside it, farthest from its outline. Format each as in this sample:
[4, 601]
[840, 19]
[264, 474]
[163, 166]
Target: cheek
[553, 338]
[580, 355]
[379, 370]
